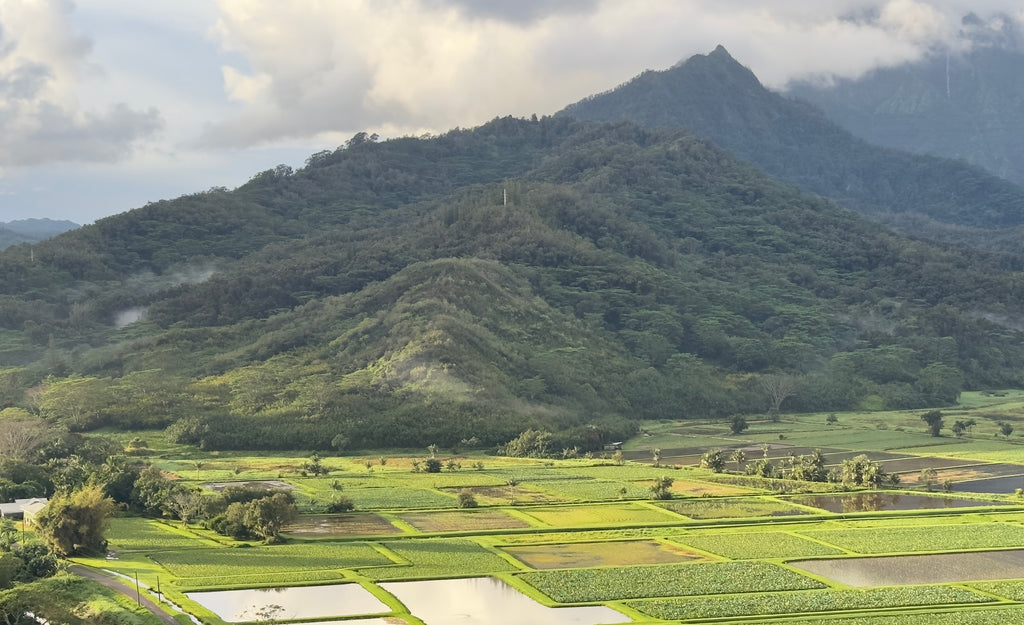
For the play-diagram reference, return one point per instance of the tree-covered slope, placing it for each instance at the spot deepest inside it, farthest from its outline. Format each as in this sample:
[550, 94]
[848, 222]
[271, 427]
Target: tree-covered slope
[717, 99]
[565, 276]
[964, 106]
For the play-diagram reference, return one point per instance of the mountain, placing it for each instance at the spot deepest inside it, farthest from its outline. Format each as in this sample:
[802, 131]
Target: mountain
[552, 274]
[967, 106]
[31, 230]
[719, 100]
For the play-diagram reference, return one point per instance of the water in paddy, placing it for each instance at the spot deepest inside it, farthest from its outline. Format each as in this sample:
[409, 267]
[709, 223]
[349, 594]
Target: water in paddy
[996, 485]
[873, 502]
[922, 569]
[488, 601]
[297, 602]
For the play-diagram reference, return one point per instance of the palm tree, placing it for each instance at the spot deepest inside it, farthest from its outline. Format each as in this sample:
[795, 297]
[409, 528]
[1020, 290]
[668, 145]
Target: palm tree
[738, 457]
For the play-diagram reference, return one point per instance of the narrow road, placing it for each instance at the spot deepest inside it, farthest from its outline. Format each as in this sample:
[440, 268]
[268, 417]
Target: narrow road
[115, 585]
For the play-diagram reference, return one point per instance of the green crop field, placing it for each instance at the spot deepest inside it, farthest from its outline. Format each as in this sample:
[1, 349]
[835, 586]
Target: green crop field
[763, 604]
[757, 545]
[723, 547]
[712, 578]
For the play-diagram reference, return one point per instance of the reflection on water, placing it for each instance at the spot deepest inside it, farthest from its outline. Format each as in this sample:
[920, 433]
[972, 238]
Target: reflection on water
[923, 569]
[873, 502]
[995, 485]
[296, 602]
[489, 601]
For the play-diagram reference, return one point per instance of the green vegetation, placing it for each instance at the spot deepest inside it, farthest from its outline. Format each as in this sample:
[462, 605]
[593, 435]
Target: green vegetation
[755, 604]
[632, 275]
[575, 585]
[701, 554]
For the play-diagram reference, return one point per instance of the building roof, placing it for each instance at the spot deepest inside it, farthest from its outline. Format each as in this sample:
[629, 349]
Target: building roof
[19, 507]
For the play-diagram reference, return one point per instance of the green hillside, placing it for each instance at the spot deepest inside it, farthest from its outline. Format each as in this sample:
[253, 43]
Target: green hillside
[957, 105]
[717, 99]
[550, 274]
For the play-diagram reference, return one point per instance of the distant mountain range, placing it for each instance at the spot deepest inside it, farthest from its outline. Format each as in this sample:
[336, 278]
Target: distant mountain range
[963, 105]
[31, 230]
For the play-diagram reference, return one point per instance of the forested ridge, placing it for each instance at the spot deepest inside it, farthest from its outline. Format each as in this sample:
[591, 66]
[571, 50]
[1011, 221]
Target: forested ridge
[716, 98]
[573, 277]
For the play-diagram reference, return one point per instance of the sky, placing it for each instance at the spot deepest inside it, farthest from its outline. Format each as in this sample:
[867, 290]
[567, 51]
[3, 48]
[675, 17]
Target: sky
[106, 105]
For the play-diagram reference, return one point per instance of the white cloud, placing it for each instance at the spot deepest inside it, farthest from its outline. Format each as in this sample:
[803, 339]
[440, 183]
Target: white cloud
[314, 68]
[42, 63]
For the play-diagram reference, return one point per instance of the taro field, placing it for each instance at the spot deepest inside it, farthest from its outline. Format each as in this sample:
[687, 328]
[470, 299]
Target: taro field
[589, 533]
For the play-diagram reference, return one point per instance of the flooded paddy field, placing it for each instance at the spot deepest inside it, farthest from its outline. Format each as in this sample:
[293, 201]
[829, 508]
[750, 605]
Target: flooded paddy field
[993, 485]
[919, 569]
[489, 601]
[876, 502]
[296, 602]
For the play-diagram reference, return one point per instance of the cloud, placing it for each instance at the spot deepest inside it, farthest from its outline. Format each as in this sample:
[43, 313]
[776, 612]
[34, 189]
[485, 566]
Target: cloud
[318, 69]
[42, 62]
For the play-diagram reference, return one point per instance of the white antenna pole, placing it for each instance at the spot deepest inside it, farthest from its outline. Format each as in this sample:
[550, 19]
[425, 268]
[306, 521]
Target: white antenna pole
[504, 196]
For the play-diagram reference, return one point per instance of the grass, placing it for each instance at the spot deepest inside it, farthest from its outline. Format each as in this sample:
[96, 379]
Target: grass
[438, 558]
[616, 584]
[92, 603]
[757, 545]
[763, 604]
[923, 538]
[235, 566]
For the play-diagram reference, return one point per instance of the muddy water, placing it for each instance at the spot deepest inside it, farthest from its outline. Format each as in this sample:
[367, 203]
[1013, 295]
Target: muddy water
[923, 569]
[874, 502]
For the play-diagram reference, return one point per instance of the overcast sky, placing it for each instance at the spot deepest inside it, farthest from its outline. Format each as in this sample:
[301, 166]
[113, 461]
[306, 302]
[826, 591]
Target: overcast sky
[108, 104]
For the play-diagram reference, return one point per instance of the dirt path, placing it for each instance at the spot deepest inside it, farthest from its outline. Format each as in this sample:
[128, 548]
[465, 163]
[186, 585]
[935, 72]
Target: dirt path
[117, 586]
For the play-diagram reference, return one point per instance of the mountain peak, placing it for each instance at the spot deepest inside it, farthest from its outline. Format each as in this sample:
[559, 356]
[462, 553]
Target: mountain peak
[720, 52]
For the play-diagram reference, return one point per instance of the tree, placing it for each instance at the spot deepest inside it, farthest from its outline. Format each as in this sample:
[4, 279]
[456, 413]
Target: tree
[266, 516]
[8, 533]
[831, 419]
[656, 458]
[862, 471]
[466, 499]
[21, 434]
[738, 457]
[1005, 429]
[530, 444]
[714, 460]
[959, 428]
[185, 503]
[777, 388]
[934, 420]
[432, 465]
[928, 477]
[737, 425]
[76, 402]
[75, 524]
[315, 466]
[151, 490]
[762, 467]
[662, 488]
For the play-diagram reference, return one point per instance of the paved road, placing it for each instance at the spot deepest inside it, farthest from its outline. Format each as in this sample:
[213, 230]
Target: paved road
[117, 586]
